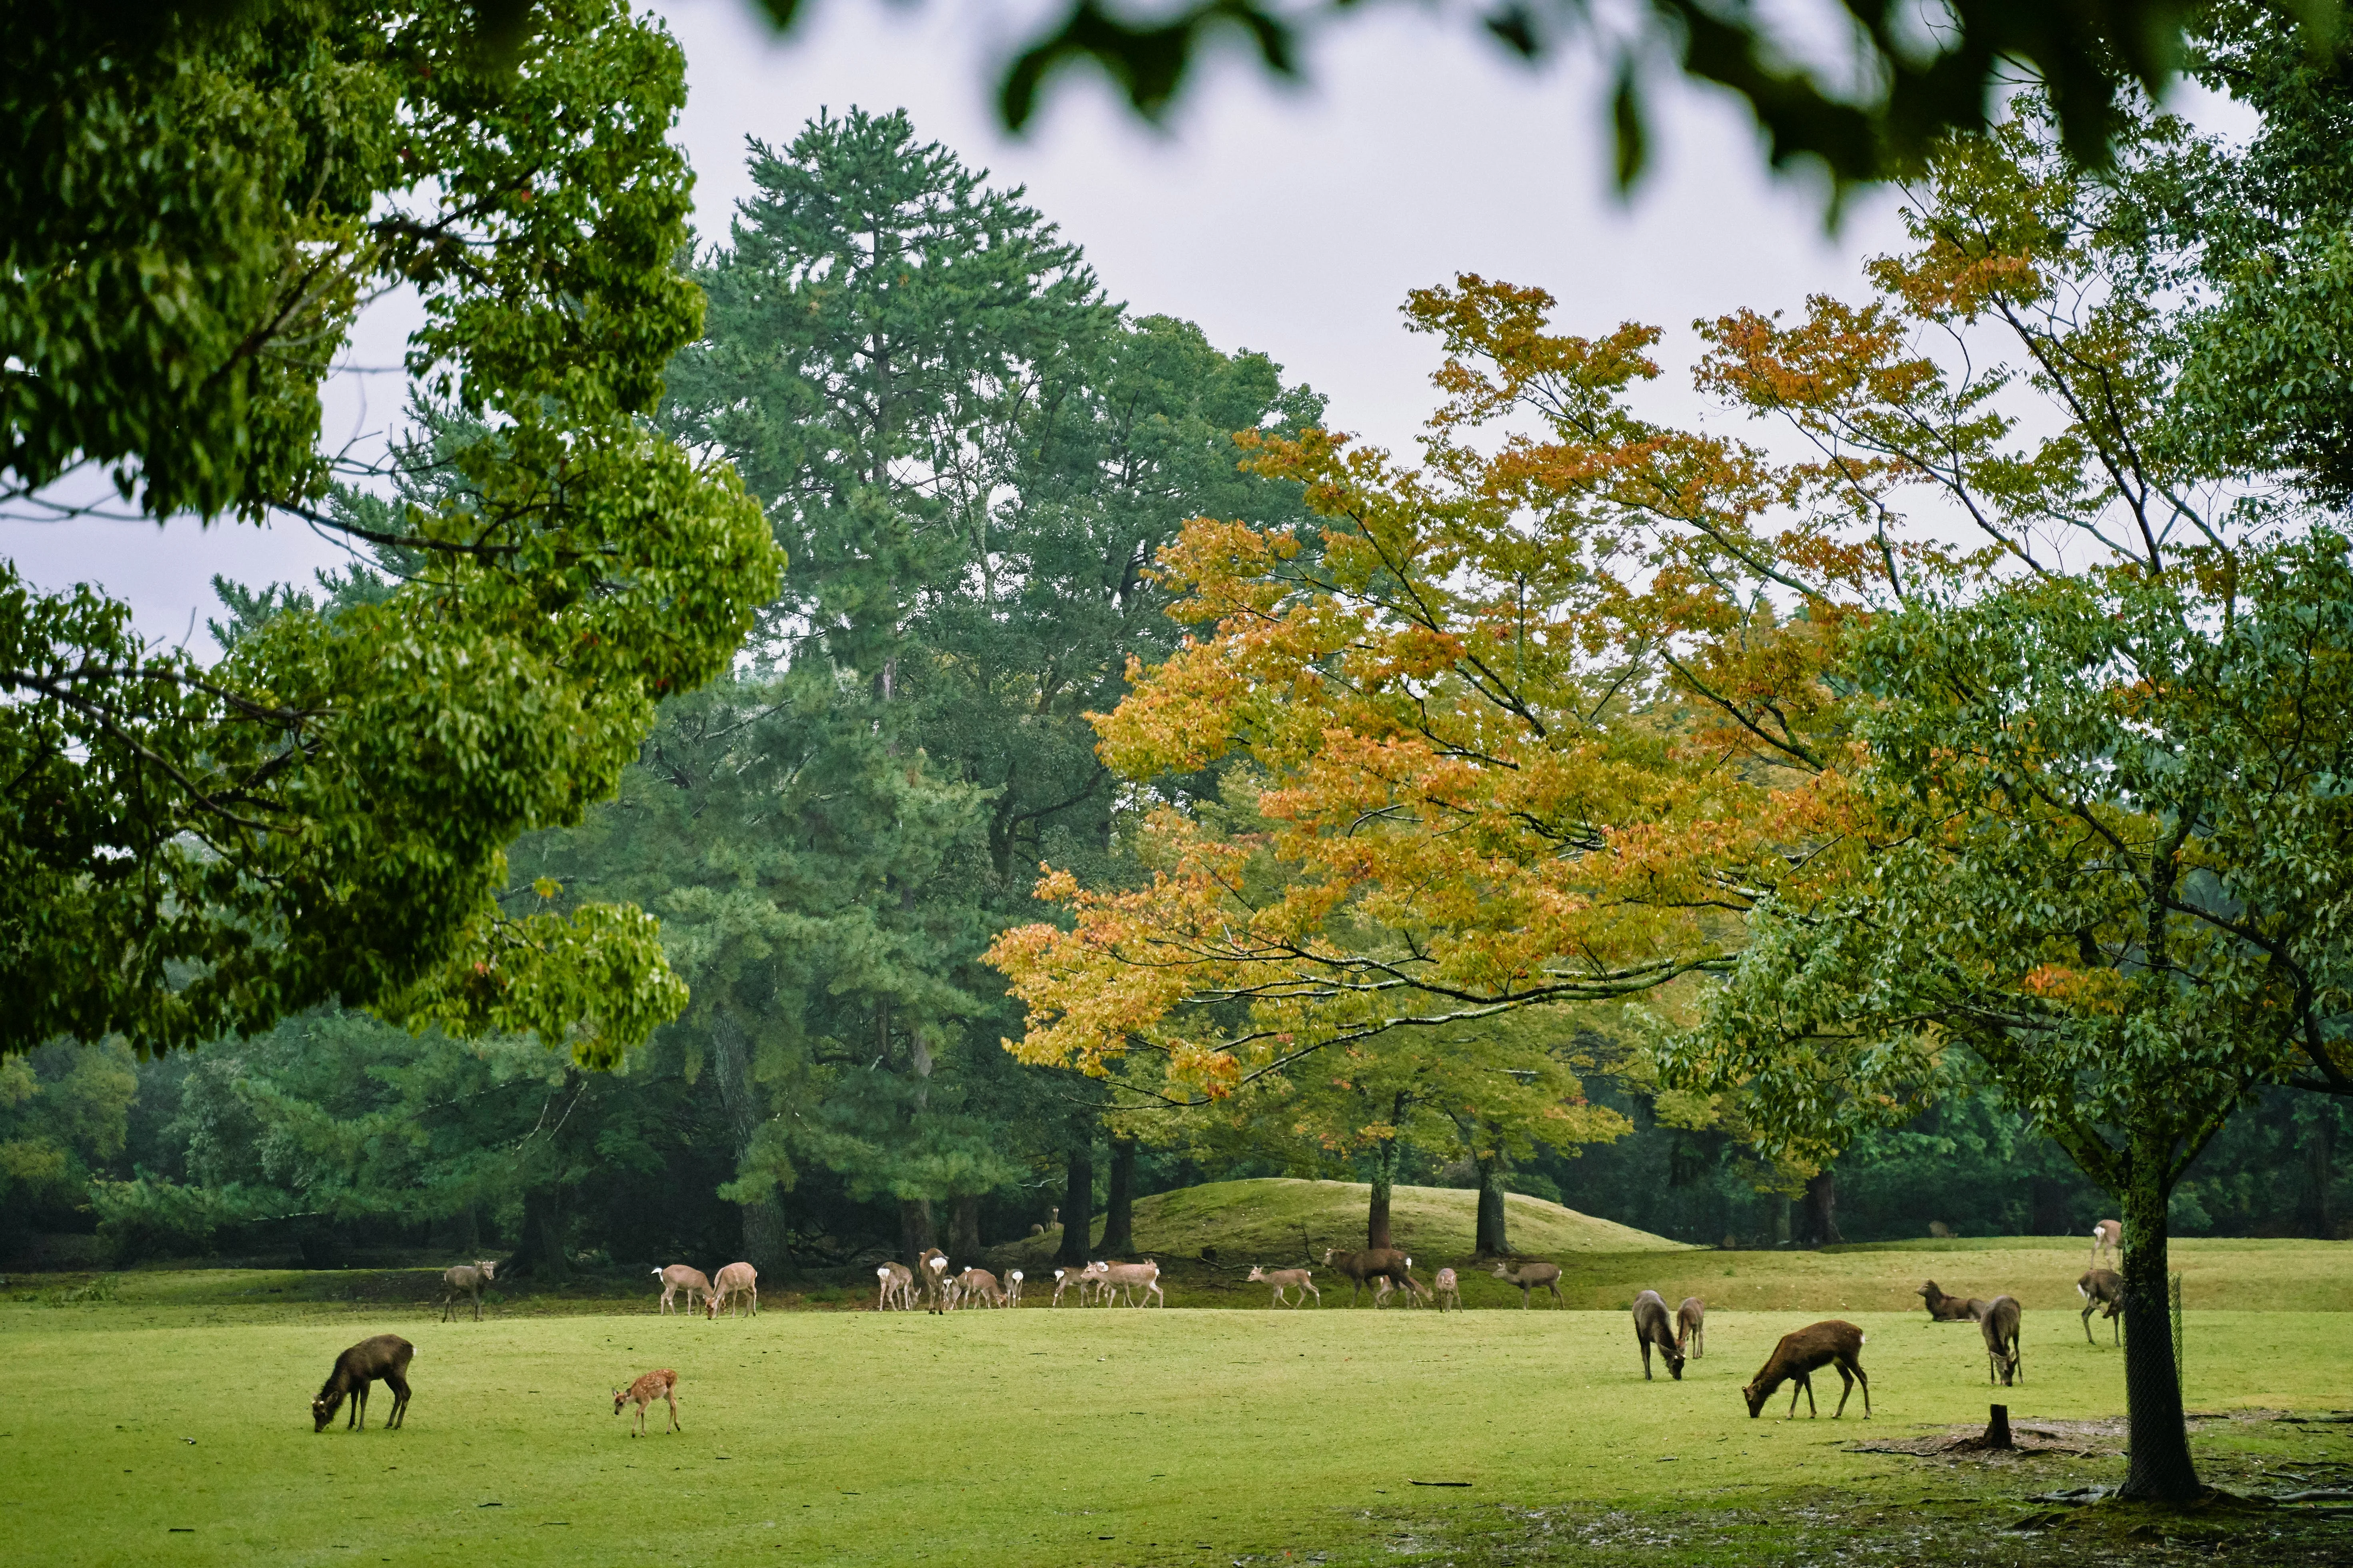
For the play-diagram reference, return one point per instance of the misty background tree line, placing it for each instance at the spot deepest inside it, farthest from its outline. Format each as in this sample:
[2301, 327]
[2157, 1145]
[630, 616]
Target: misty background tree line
[971, 457]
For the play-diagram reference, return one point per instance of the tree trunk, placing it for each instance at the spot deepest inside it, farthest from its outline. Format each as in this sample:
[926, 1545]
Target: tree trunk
[1079, 1199]
[1376, 1216]
[964, 1227]
[1119, 1203]
[1821, 1209]
[763, 1217]
[2158, 1468]
[539, 1255]
[1493, 1241]
[915, 1232]
[2319, 1142]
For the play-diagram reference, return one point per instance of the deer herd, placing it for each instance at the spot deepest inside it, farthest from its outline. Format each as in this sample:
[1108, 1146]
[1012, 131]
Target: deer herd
[1676, 1338]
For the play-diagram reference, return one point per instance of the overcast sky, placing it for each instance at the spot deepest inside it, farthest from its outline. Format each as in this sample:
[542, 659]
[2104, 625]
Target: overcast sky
[1289, 221]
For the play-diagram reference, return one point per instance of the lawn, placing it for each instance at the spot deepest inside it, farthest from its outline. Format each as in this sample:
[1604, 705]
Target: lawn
[161, 1432]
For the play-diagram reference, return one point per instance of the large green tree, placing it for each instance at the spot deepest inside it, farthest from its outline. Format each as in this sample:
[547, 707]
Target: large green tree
[191, 213]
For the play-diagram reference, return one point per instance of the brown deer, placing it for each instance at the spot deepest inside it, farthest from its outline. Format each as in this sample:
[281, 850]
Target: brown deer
[466, 1279]
[678, 1277]
[2108, 1237]
[661, 1385]
[1137, 1280]
[735, 1280]
[1447, 1289]
[932, 1270]
[1799, 1355]
[1530, 1275]
[981, 1283]
[895, 1287]
[1013, 1289]
[385, 1357]
[1943, 1309]
[1390, 1266]
[1300, 1279]
[2102, 1287]
[1999, 1326]
[1652, 1327]
[1691, 1328]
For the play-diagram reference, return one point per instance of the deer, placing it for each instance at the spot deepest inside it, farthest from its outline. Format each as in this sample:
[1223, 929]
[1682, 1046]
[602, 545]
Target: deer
[1943, 1309]
[657, 1384]
[1066, 1278]
[931, 1267]
[678, 1277]
[1300, 1279]
[385, 1357]
[1999, 1327]
[2108, 1237]
[1691, 1328]
[1013, 1289]
[735, 1280]
[1800, 1353]
[895, 1285]
[1528, 1275]
[1940, 1230]
[1447, 1289]
[1136, 1278]
[979, 1282]
[466, 1279]
[2102, 1287]
[1386, 1264]
[1652, 1327]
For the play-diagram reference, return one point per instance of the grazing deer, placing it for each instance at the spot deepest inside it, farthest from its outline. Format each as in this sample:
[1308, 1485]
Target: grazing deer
[1943, 1309]
[1447, 1289]
[1136, 1278]
[979, 1282]
[735, 1280]
[1654, 1327]
[1940, 1230]
[895, 1287]
[931, 1268]
[1999, 1326]
[662, 1384]
[1800, 1353]
[1300, 1279]
[385, 1357]
[1385, 1264]
[466, 1279]
[2102, 1287]
[1066, 1278]
[1691, 1328]
[2108, 1237]
[678, 1277]
[1530, 1275]
[1013, 1289]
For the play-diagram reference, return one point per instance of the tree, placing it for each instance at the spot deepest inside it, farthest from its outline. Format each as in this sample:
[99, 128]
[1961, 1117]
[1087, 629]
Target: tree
[192, 218]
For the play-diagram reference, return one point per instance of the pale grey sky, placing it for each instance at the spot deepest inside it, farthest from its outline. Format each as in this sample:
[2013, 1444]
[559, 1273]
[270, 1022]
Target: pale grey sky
[1290, 221]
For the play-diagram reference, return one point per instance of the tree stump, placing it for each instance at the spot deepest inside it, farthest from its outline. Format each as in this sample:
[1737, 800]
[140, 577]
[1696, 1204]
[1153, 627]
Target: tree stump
[1996, 1432]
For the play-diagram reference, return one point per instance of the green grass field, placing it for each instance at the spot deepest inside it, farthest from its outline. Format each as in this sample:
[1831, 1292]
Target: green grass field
[169, 1425]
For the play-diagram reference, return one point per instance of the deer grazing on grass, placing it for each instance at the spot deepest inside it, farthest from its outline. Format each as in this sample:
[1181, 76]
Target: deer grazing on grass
[1447, 1289]
[737, 1279]
[661, 1385]
[2102, 1287]
[1654, 1327]
[1943, 1309]
[979, 1283]
[466, 1279]
[1300, 1279]
[1386, 1265]
[1080, 1279]
[1528, 1275]
[678, 1277]
[1136, 1278]
[1691, 1328]
[894, 1286]
[385, 1357]
[1800, 1353]
[2108, 1237]
[931, 1268]
[1999, 1326]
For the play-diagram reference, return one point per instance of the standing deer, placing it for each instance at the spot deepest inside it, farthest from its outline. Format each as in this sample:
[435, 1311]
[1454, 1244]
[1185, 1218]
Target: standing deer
[661, 1385]
[1999, 1326]
[979, 1282]
[1013, 1289]
[1300, 1279]
[735, 1280]
[931, 1268]
[1447, 1289]
[1530, 1275]
[385, 1357]
[1081, 1279]
[895, 1287]
[678, 1277]
[1136, 1278]
[466, 1279]
[1802, 1352]
[1943, 1309]
[2102, 1287]
[1654, 1327]
[1386, 1264]
[1691, 1327]
[2108, 1237]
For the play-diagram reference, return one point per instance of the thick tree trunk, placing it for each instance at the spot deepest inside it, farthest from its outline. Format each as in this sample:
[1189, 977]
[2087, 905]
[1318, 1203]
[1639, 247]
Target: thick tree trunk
[1493, 1240]
[763, 1217]
[1821, 1209]
[1078, 1200]
[964, 1227]
[2159, 1468]
[539, 1255]
[1119, 1203]
[1377, 1216]
[915, 1232]
[2319, 1142]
